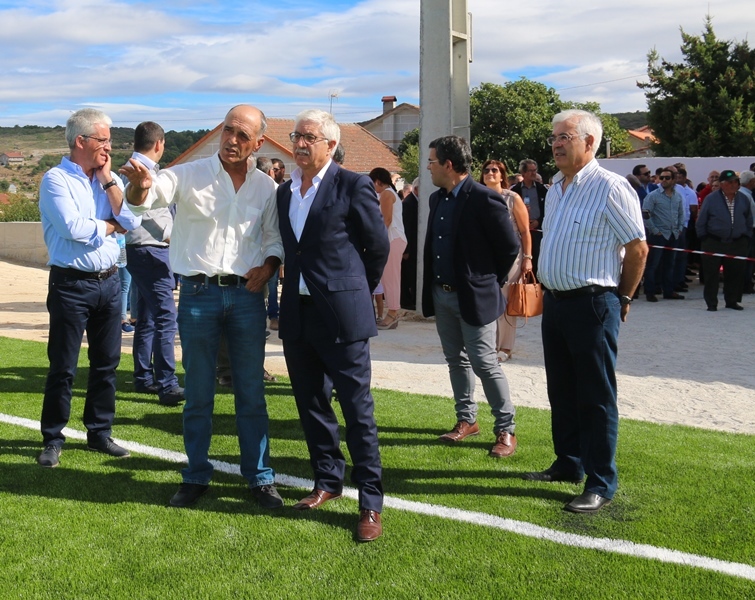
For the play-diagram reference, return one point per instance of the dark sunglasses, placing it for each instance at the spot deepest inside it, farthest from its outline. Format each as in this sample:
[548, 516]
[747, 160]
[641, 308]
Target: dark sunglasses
[665, 177]
[490, 170]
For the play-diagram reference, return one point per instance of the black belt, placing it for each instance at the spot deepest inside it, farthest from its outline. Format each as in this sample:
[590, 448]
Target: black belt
[76, 274]
[219, 280]
[447, 288]
[146, 245]
[588, 290]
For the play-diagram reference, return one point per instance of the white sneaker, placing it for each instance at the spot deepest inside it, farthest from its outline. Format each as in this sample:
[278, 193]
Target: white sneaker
[503, 356]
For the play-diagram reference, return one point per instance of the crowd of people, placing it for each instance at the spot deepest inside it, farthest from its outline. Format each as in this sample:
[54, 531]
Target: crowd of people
[230, 225]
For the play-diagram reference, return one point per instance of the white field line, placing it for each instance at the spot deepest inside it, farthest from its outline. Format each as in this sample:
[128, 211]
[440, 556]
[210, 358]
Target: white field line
[518, 527]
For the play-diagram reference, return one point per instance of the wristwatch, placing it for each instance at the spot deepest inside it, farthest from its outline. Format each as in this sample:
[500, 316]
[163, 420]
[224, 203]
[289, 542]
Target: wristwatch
[625, 300]
[109, 184]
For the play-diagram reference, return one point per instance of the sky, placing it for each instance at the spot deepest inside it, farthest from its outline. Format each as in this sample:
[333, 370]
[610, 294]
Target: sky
[184, 63]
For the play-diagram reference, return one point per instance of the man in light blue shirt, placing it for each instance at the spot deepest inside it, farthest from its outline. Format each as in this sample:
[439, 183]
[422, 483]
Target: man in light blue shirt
[663, 212]
[81, 203]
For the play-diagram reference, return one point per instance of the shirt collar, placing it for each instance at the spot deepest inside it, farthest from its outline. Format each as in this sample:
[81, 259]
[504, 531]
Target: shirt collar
[296, 175]
[585, 171]
[251, 163]
[145, 160]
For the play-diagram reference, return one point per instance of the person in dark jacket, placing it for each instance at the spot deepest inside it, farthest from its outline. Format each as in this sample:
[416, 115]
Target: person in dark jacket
[724, 226]
[533, 193]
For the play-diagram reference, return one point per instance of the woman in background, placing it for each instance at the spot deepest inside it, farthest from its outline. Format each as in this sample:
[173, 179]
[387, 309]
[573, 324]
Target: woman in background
[493, 175]
[390, 207]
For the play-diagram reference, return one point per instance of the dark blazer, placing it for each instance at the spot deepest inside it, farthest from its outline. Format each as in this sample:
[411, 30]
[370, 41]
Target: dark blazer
[342, 252]
[485, 248]
[541, 192]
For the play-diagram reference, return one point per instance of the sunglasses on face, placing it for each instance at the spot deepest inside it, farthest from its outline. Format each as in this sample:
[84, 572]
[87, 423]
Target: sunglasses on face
[665, 177]
[490, 170]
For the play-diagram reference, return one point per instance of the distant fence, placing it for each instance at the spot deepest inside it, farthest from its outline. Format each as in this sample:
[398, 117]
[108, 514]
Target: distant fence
[23, 242]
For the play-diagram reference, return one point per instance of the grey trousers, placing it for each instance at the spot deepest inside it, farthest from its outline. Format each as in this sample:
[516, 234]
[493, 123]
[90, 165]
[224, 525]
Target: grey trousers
[471, 350]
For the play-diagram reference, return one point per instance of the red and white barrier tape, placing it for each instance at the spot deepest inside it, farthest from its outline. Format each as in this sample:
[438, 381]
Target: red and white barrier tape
[704, 253]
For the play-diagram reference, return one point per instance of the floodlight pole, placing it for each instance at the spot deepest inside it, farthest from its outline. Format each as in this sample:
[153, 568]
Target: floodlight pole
[445, 54]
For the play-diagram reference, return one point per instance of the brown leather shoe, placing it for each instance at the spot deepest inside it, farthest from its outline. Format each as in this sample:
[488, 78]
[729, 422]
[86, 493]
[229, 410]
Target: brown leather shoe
[505, 445]
[315, 499]
[369, 527]
[461, 430]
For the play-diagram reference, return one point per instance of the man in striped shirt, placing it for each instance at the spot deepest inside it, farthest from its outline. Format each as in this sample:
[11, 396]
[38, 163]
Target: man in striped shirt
[591, 260]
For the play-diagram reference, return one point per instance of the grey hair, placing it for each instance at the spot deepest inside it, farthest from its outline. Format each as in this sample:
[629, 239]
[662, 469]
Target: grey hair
[586, 123]
[264, 164]
[523, 164]
[746, 177]
[325, 120]
[83, 122]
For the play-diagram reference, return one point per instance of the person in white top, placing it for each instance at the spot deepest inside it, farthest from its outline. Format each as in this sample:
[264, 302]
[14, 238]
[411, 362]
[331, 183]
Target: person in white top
[225, 245]
[390, 207]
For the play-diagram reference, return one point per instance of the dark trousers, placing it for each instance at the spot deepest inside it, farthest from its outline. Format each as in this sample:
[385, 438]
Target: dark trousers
[316, 364]
[75, 306]
[155, 335]
[660, 265]
[734, 270]
[580, 342]
[537, 238]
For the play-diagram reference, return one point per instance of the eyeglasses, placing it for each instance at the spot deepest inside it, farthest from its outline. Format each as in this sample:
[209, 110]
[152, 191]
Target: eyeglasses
[101, 141]
[665, 177]
[645, 174]
[490, 170]
[276, 169]
[563, 138]
[308, 138]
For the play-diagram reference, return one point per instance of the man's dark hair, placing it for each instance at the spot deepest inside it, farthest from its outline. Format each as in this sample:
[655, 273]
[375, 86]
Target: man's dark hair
[264, 164]
[681, 171]
[339, 154]
[638, 169]
[146, 135]
[660, 170]
[752, 167]
[455, 149]
[277, 162]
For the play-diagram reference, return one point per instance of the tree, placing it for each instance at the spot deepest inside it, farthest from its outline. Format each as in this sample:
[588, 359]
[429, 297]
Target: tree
[705, 105]
[510, 122]
[408, 155]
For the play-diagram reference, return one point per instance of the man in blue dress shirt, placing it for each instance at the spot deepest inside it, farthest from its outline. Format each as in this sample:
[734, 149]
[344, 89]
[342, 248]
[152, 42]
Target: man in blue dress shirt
[81, 203]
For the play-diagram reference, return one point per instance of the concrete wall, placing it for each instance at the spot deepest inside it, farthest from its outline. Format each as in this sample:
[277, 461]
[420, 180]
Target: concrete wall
[23, 242]
[697, 168]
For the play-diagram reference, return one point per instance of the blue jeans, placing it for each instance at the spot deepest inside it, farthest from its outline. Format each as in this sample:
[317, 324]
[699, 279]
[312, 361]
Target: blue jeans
[125, 278]
[204, 311]
[660, 265]
[469, 351]
[580, 344]
[155, 335]
[272, 296]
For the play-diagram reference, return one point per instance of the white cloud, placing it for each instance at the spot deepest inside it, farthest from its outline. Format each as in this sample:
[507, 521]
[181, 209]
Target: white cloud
[60, 53]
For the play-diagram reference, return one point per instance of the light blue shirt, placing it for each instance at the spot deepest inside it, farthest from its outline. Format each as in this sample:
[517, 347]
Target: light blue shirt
[74, 209]
[666, 213]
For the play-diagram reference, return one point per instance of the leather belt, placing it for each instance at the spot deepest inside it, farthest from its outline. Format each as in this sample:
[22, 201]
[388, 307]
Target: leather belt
[219, 280]
[76, 274]
[588, 290]
[447, 288]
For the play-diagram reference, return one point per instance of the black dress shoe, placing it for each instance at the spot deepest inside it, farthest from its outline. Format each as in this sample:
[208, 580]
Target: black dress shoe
[173, 398]
[267, 496]
[712, 309]
[551, 475]
[152, 388]
[651, 298]
[109, 447]
[673, 296]
[188, 494]
[50, 456]
[587, 502]
[735, 306]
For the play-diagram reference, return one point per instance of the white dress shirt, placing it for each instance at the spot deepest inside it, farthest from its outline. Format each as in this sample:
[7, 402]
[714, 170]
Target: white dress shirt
[585, 229]
[298, 210]
[217, 230]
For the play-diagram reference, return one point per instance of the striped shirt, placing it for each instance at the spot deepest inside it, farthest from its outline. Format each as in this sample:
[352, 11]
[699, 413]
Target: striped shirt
[585, 229]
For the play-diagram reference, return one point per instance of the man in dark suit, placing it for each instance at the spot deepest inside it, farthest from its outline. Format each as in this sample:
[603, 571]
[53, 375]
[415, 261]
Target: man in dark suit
[533, 193]
[469, 249]
[336, 246]
[409, 211]
[643, 175]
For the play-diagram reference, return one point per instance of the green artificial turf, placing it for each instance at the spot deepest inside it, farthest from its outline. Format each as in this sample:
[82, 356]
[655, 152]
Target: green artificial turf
[97, 527]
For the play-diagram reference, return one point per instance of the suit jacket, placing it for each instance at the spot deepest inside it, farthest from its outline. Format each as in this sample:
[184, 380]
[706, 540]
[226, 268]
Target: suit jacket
[541, 193]
[485, 247]
[341, 255]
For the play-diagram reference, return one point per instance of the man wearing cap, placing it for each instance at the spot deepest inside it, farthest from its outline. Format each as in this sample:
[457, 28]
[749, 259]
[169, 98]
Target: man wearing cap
[724, 226]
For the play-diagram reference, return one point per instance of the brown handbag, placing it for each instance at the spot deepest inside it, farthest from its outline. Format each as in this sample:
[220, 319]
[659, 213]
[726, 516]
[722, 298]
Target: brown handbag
[525, 297]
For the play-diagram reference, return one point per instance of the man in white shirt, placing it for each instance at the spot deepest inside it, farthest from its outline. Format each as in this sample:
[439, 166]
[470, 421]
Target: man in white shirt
[591, 261]
[225, 245]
